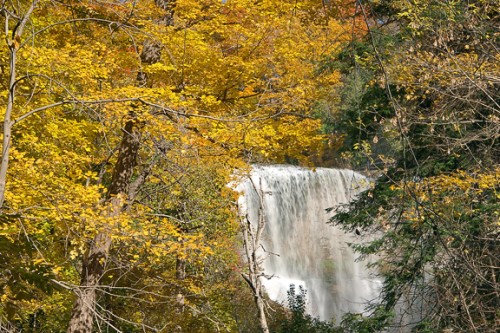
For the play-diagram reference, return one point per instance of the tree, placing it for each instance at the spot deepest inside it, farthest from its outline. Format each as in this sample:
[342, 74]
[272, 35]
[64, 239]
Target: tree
[435, 204]
[124, 121]
[252, 245]
[299, 320]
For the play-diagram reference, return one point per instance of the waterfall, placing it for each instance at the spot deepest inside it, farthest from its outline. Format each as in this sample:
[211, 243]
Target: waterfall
[300, 247]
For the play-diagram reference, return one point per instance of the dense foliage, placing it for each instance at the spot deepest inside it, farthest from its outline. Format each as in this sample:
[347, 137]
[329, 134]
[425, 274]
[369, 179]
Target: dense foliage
[298, 320]
[123, 121]
[426, 119]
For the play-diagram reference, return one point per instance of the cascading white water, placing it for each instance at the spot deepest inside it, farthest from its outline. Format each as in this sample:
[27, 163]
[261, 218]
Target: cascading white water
[304, 249]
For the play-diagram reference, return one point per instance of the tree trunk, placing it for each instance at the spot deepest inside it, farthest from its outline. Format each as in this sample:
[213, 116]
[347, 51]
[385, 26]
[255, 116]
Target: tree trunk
[92, 271]
[262, 314]
[7, 125]
[252, 235]
[94, 262]
[180, 269]
[13, 45]
[93, 266]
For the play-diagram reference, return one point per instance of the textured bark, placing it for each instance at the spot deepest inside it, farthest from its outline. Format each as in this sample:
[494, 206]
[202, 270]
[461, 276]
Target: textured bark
[151, 52]
[127, 158]
[180, 269]
[169, 7]
[93, 268]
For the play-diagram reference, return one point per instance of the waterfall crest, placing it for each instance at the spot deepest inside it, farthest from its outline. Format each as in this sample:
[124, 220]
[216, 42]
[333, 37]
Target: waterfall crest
[300, 247]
